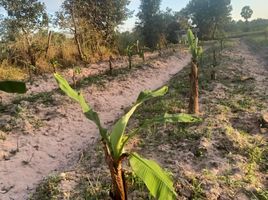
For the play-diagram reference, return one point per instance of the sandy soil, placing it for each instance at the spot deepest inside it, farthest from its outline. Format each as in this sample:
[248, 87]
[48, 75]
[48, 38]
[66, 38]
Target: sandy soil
[46, 134]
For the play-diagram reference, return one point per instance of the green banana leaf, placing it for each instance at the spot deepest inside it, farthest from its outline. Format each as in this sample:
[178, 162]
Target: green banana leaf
[77, 96]
[13, 87]
[155, 178]
[174, 118]
[166, 118]
[193, 41]
[117, 138]
[148, 94]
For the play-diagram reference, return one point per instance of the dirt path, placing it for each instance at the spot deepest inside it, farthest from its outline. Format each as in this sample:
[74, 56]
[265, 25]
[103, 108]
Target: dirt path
[47, 134]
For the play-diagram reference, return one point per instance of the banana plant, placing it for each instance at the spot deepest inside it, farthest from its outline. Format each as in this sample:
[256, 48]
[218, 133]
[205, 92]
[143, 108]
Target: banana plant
[55, 64]
[158, 182]
[193, 43]
[130, 54]
[134, 49]
[140, 51]
[214, 65]
[76, 72]
[196, 52]
[13, 87]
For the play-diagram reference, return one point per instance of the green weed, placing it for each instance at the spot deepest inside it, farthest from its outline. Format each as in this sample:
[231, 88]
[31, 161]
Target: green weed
[49, 189]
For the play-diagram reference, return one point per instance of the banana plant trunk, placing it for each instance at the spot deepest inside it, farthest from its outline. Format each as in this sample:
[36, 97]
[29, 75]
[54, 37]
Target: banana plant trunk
[213, 74]
[110, 65]
[130, 62]
[193, 103]
[118, 182]
[221, 44]
[119, 187]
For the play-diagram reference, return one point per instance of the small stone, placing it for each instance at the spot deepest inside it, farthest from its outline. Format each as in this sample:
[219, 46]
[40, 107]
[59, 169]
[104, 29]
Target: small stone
[3, 135]
[28, 127]
[264, 131]
[63, 176]
[264, 120]
[246, 78]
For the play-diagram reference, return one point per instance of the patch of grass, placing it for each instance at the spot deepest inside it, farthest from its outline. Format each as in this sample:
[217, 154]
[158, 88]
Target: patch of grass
[137, 189]
[181, 132]
[261, 194]
[255, 157]
[49, 189]
[197, 190]
[91, 188]
[8, 72]
[101, 79]
[228, 179]
[258, 40]
[238, 105]
[242, 87]
[264, 160]
[45, 98]
[245, 103]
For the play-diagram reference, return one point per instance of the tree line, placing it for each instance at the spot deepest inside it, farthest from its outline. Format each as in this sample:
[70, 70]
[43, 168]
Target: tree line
[85, 31]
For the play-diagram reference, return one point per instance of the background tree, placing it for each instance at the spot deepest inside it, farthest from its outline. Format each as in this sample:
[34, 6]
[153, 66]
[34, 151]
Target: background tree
[209, 15]
[170, 26]
[68, 18]
[240, 26]
[183, 19]
[246, 13]
[24, 18]
[93, 23]
[149, 12]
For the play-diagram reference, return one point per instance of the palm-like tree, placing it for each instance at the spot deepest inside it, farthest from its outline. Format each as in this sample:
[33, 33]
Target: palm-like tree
[246, 13]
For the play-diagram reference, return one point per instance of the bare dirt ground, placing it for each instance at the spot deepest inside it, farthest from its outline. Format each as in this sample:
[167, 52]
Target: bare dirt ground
[44, 132]
[222, 158]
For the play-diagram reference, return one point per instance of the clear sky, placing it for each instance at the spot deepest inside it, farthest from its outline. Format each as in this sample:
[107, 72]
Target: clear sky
[260, 8]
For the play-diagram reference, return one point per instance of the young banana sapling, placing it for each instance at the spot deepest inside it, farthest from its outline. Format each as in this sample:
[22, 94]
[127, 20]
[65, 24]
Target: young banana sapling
[134, 49]
[196, 52]
[76, 72]
[155, 178]
[130, 53]
[214, 65]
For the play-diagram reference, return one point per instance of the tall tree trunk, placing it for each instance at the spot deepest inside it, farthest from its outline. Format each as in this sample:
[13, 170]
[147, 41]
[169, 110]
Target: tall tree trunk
[193, 102]
[29, 50]
[214, 30]
[48, 42]
[118, 190]
[76, 37]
